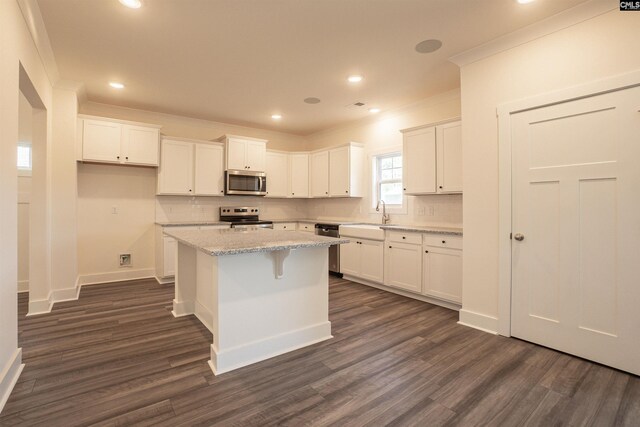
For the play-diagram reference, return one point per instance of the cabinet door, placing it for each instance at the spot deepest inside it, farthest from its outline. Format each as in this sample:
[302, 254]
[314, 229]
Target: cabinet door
[419, 161]
[319, 182]
[236, 151]
[372, 260]
[175, 175]
[339, 172]
[449, 149]
[285, 226]
[442, 273]
[403, 266]
[101, 141]
[299, 175]
[350, 257]
[140, 145]
[169, 247]
[209, 170]
[277, 174]
[256, 153]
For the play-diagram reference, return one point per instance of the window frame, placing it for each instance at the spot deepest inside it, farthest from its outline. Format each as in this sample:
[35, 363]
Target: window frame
[25, 171]
[374, 161]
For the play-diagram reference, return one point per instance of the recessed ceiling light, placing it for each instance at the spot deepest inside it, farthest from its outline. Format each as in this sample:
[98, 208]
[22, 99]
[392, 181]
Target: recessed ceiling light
[133, 4]
[312, 100]
[116, 85]
[276, 116]
[428, 46]
[354, 79]
[525, 1]
[374, 110]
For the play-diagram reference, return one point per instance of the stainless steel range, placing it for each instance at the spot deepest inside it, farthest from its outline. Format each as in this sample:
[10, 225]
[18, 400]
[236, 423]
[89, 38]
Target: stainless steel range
[243, 217]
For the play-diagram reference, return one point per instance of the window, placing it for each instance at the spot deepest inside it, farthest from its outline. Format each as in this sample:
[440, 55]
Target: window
[388, 179]
[24, 156]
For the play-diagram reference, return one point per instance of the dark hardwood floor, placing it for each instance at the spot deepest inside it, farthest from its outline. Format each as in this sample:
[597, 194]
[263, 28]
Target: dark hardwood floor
[118, 357]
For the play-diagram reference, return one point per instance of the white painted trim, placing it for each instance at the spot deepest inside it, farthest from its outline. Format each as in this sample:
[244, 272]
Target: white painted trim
[116, 276]
[23, 286]
[183, 308]
[267, 348]
[560, 21]
[35, 24]
[479, 321]
[124, 122]
[9, 376]
[598, 87]
[67, 294]
[419, 297]
[204, 315]
[42, 306]
[165, 280]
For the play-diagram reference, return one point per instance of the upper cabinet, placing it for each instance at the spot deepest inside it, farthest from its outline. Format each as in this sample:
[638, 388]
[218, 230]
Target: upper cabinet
[432, 157]
[277, 174]
[299, 175]
[111, 141]
[338, 172]
[191, 168]
[245, 153]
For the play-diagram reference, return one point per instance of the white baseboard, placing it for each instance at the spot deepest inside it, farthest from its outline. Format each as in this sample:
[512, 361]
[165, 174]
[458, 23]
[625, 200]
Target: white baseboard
[9, 376]
[23, 286]
[116, 276]
[419, 297]
[166, 280]
[68, 294]
[267, 348]
[41, 306]
[205, 316]
[479, 321]
[183, 308]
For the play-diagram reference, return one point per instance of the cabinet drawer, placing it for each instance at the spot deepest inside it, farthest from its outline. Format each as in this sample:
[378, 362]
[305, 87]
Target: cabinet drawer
[286, 226]
[306, 227]
[400, 237]
[443, 241]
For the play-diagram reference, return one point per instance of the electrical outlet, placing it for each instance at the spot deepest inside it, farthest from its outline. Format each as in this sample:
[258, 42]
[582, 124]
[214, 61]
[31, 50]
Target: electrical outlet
[125, 260]
[421, 210]
[114, 210]
[431, 211]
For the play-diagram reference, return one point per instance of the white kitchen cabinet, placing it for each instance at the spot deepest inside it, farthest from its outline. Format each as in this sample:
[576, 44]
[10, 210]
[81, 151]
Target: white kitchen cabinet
[298, 175]
[190, 167]
[284, 226]
[363, 258]
[432, 159]
[245, 153]
[209, 170]
[449, 161]
[169, 248]
[403, 266]
[442, 273]
[175, 175]
[110, 141]
[277, 169]
[319, 181]
[338, 172]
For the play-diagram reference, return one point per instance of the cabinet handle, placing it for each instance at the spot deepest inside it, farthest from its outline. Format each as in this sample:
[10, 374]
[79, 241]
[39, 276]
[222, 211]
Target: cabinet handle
[403, 237]
[389, 247]
[326, 192]
[221, 191]
[293, 194]
[189, 190]
[440, 187]
[248, 167]
[404, 189]
[444, 241]
[126, 158]
[346, 191]
[118, 157]
[426, 252]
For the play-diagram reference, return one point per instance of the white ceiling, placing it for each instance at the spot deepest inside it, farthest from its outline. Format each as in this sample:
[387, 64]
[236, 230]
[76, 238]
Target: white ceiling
[239, 61]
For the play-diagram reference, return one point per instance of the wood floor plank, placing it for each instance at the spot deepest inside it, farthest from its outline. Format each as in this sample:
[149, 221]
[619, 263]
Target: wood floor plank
[118, 357]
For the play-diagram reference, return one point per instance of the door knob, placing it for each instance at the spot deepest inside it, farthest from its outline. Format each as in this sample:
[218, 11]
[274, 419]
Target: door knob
[519, 237]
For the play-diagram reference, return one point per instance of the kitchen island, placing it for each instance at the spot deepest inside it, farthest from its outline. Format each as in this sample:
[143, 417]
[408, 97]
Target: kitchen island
[260, 292]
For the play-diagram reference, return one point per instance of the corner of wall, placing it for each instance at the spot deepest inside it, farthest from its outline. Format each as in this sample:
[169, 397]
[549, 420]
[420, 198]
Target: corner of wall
[9, 376]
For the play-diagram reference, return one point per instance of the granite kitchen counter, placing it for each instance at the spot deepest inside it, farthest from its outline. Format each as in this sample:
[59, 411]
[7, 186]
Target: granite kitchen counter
[234, 241]
[455, 231]
[189, 223]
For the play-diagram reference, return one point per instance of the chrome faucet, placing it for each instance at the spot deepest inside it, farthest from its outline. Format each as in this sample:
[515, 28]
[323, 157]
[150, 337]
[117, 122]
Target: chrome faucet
[385, 217]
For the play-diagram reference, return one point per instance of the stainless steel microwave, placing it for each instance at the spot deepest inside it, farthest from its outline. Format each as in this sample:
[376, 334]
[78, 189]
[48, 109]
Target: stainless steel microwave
[245, 183]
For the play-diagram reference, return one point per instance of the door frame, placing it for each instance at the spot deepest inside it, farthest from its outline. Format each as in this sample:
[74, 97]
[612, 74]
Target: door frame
[504, 113]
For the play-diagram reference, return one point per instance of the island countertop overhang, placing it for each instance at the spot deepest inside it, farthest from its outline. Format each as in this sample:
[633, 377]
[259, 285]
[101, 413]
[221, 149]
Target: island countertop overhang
[233, 241]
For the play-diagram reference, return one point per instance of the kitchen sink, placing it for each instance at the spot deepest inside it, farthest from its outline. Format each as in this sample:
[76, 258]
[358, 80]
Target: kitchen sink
[362, 231]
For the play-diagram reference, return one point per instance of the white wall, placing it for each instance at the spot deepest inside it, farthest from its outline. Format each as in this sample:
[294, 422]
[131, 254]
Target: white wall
[382, 132]
[594, 49]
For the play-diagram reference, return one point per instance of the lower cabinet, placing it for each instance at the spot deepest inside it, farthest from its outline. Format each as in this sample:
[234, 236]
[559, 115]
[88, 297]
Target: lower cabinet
[306, 226]
[403, 266]
[284, 226]
[442, 273]
[362, 258]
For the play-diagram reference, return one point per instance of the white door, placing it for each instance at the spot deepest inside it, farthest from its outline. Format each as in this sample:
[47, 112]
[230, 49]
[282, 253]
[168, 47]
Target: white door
[256, 156]
[101, 141]
[319, 181]
[449, 151]
[403, 266]
[371, 260]
[236, 154]
[277, 174]
[209, 170]
[299, 175]
[339, 172]
[419, 161]
[140, 145]
[175, 175]
[350, 257]
[576, 204]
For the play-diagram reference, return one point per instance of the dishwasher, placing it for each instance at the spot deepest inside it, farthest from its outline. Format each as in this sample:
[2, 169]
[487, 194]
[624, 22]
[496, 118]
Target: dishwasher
[331, 230]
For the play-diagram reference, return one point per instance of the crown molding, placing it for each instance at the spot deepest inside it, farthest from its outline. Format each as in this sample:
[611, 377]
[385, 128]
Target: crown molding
[35, 24]
[560, 21]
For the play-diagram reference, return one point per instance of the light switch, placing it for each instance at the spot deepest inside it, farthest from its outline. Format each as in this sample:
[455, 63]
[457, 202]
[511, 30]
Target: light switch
[114, 210]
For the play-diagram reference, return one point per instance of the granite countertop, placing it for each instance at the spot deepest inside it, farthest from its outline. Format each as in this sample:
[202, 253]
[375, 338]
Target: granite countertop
[456, 231]
[189, 223]
[234, 241]
[312, 221]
